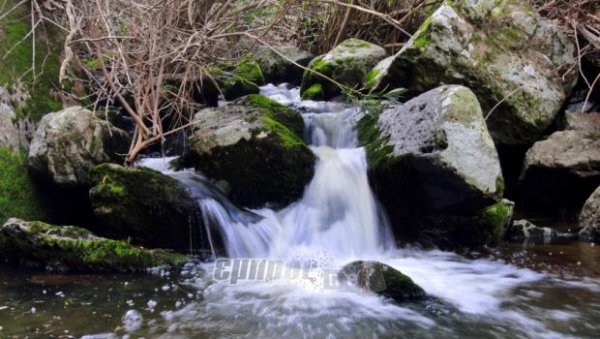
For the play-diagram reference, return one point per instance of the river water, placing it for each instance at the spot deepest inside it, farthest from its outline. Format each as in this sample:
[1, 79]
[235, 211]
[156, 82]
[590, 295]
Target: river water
[545, 291]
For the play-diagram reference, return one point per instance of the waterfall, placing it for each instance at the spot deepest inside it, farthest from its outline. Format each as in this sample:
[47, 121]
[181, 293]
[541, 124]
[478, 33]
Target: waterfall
[337, 213]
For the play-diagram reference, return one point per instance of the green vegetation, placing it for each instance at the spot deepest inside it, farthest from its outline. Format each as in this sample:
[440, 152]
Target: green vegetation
[17, 58]
[314, 92]
[372, 78]
[19, 196]
[77, 249]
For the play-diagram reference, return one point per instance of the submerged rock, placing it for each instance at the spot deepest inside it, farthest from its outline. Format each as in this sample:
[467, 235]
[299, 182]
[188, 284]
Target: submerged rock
[348, 64]
[525, 231]
[277, 69]
[562, 170]
[148, 207]
[589, 218]
[381, 279]
[75, 249]
[68, 143]
[432, 156]
[503, 50]
[255, 144]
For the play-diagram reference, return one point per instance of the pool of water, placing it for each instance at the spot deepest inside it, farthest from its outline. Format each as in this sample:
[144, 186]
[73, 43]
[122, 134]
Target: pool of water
[519, 291]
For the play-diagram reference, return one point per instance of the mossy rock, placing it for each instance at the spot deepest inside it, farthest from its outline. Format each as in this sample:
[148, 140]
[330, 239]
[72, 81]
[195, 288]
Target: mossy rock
[277, 69]
[516, 62]
[381, 279]
[431, 156]
[75, 249]
[255, 144]
[19, 195]
[242, 79]
[145, 206]
[18, 56]
[348, 63]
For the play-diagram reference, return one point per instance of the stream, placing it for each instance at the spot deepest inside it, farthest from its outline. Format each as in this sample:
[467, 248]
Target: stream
[283, 282]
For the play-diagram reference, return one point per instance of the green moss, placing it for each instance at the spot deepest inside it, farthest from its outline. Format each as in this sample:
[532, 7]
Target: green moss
[319, 64]
[78, 249]
[145, 206]
[287, 137]
[17, 57]
[314, 92]
[422, 38]
[273, 110]
[19, 197]
[370, 137]
[492, 221]
[249, 71]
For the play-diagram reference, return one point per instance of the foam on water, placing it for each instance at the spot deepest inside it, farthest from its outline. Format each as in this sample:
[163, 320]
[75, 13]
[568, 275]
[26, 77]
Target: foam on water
[336, 221]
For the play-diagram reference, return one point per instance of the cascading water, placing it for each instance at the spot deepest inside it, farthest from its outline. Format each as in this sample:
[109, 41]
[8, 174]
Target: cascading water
[338, 220]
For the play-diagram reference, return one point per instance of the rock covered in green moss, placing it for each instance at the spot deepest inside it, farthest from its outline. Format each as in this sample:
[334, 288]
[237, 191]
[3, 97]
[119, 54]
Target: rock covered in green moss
[563, 170]
[68, 143]
[146, 206]
[503, 50]
[381, 279]
[277, 69]
[526, 231]
[255, 144]
[589, 218]
[19, 196]
[75, 249]
[243, 78]
[348, 63]
[432, 155]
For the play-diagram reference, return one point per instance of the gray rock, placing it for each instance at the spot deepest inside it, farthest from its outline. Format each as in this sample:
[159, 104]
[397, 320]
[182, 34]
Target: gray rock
[255, 144]
[443, 136]
[589, 218]
[381, 279]
[564, 169]
[503, 50]
[525, 231]
[277, 70]
[348, 63]
[70, 248]
[433, 155]
[582, 121]
[68, 143]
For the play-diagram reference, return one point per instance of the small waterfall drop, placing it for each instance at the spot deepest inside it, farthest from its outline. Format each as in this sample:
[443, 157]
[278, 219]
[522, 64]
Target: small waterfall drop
[337, 214]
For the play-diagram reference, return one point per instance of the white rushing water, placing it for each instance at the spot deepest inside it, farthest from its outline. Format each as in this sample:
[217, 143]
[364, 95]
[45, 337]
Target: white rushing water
[336, 221]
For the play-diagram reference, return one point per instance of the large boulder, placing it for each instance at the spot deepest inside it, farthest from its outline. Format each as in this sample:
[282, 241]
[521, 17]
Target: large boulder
[348, 63]
[255, 144]
[381, 279]
[68, 143]
[75, 249]
[589, 218]
[563, 170]
[145, 206]
[277, 69]
[516, 62]
[433, 156]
